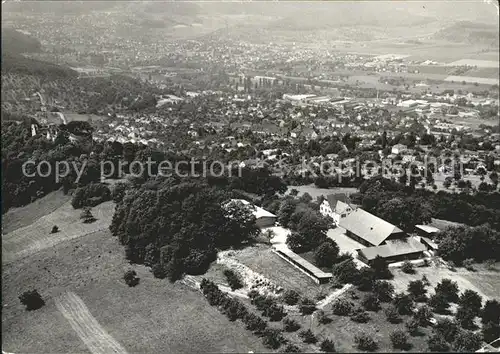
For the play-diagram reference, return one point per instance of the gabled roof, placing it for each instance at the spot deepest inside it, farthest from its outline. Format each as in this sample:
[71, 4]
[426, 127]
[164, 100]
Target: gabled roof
[342, 207]
[258, 212]
[368, 226]
[393, 248]
[333, 198]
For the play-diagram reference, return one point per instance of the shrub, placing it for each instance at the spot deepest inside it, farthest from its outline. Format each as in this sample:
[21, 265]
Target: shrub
[346, 271]
[55, 229]
[360, 316]
[32, 300]
[383, 290]
[391, 313]
[439, 303]
[399, 339]
[423, 315]
[254, 323]
[307, 306]
[472, 301]
[446, 328]
[426, 281]
[468, 264]
[274, 312]
[326, 254]
[467, 341]
[491, 312]
[408, 268]
[403, 303]
[87, 216]
[131, 278]
[417, 290]
[365, 342]
[158, 271]
[366, 279]
[371, 303]
[252, 294]
[437, 343]
[323, 318]
[449, 289]
[291, 297]
[327, 346]
[342, 307]
[291, 348]
[465, 317]
[290, 325]
[381, 268]
[490, 331]
[233, 279]
[272, 338]
[308, 336]
[413, 326]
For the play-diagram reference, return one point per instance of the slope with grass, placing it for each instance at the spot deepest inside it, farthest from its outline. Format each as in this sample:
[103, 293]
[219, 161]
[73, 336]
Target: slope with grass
[16, 218]
[37, 236]
[154, 316]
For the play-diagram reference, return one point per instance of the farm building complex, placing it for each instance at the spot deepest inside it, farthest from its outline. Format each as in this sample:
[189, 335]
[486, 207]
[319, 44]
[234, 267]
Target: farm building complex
[368, 229]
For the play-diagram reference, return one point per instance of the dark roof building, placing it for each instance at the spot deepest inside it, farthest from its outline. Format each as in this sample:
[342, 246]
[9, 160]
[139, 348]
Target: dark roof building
[393, 251]
[369, 229]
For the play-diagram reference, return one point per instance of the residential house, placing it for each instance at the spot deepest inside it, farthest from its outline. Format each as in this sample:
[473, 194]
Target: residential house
[336, 206]
[398, 148]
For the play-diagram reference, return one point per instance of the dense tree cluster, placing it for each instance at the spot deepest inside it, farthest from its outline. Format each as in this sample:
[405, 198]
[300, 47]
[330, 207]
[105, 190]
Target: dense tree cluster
[460, 243]
[406, 207]
[180, 225]
[90, 195]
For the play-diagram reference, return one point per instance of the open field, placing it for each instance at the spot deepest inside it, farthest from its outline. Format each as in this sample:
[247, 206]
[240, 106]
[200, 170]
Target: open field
[32, 238]
[16, 218]
[262, 260]
[72, 116]
[440, 51]
[156, 315]
[85, 325]
[465, 279]
[316, 192]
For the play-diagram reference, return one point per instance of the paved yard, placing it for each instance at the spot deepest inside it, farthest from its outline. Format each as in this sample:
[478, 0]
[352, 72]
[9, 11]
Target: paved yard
[346, 244]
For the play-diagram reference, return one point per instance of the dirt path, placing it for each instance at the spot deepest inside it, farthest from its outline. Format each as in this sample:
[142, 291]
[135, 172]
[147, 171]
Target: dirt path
[97, 340]
[321, 304]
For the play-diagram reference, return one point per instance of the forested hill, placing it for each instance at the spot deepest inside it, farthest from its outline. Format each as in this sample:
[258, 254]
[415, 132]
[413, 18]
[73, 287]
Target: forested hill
[15, 42]
[16, 63]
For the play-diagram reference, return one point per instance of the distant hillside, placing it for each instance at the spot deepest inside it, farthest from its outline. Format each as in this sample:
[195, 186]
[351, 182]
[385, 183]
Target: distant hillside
[15, 42]
[348, 15]
[469, 32]
[15, 63]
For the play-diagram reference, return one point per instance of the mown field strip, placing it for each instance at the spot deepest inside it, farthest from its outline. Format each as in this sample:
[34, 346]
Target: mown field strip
[97, 340]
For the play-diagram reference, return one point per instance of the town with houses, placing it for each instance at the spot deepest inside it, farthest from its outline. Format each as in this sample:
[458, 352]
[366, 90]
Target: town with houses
[355, 202]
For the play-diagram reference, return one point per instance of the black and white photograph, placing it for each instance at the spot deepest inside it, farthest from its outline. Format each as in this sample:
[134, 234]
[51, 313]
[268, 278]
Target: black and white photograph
[255, 176]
